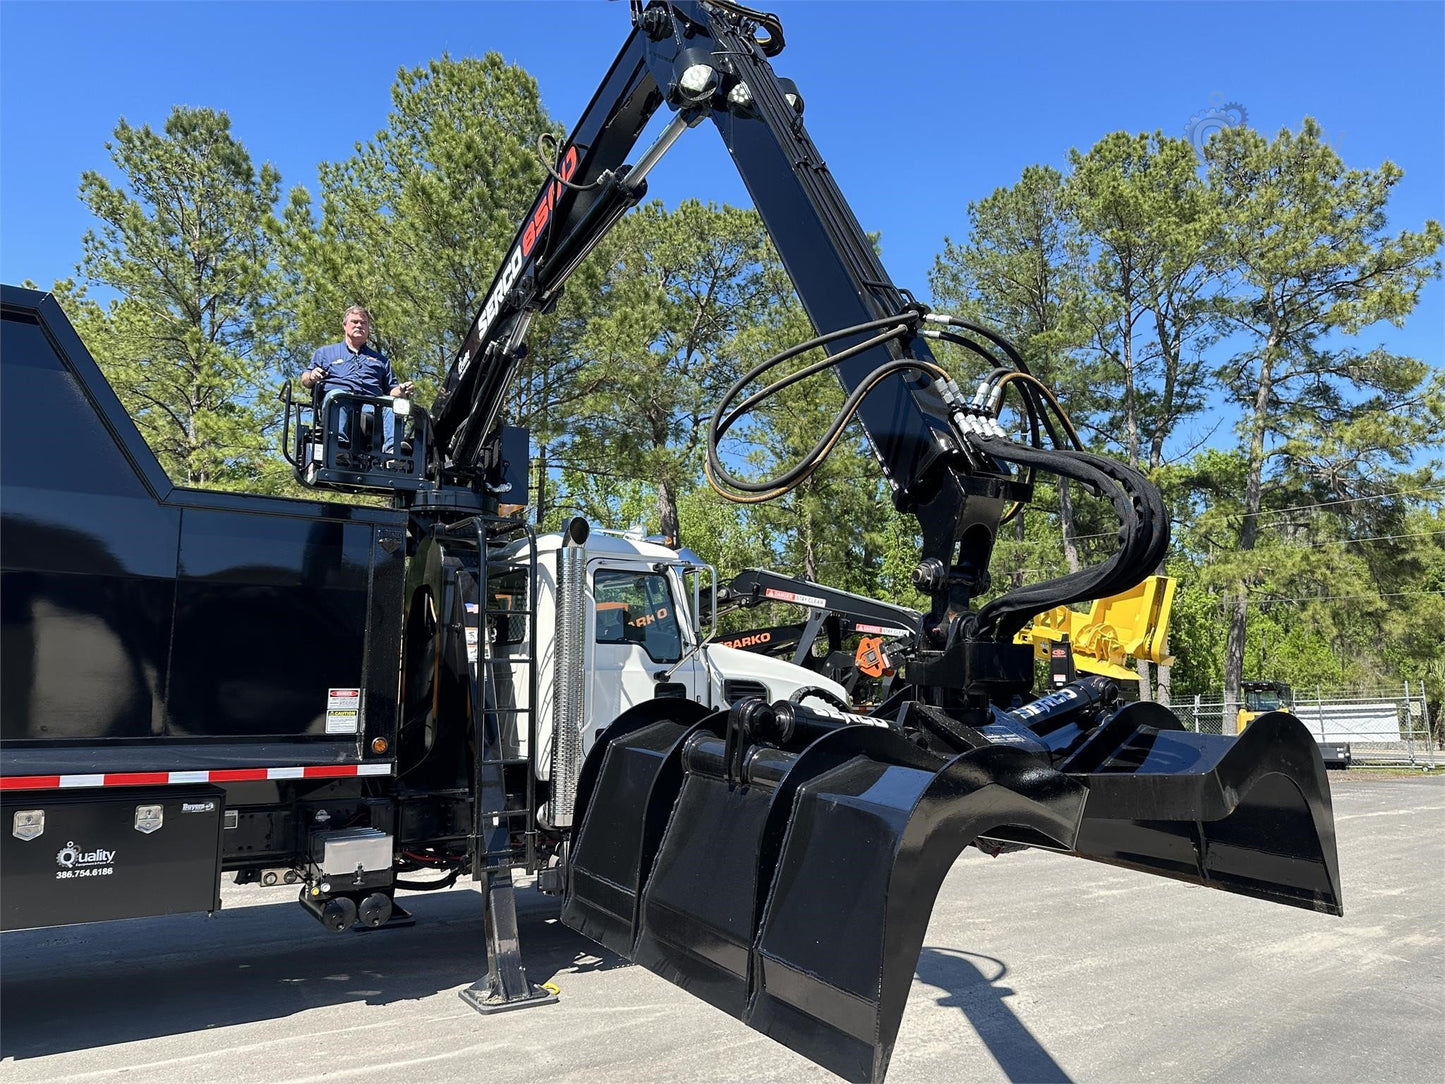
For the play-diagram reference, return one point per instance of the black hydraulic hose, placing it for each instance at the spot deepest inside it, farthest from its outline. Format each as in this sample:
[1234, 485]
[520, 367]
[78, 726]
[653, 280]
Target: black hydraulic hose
[1144, 535]
[723, 418]
[788, 381]
[773, 44]
[429, 886]
[819, 452]
[799, 695]
[549, 163]
[1031, 411]
[1127, 567]
[979, 349]
[988, 333]
[800, 348]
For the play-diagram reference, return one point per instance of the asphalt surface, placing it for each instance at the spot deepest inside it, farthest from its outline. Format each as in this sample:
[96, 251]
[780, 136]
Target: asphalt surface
[1036, 967]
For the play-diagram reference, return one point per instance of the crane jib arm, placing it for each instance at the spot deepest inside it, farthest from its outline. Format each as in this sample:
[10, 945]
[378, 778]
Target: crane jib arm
[835, 270]
[780, 861]
[583, 197]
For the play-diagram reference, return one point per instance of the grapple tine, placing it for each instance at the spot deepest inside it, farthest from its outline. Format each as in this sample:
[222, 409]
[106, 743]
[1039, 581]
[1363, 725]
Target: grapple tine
[867, 848]
[782, 863]
[625, 795]
[704, 902]
[796, 897]
[1250, 815]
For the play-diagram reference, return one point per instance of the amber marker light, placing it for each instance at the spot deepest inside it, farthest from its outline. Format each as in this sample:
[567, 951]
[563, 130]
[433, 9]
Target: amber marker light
[379, 745]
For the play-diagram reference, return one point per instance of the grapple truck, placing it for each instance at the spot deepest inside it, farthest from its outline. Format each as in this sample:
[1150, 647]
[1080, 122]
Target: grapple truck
[778, 856]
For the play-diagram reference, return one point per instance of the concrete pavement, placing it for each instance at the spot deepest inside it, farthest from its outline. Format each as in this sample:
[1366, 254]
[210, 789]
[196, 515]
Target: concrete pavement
[1036, 967]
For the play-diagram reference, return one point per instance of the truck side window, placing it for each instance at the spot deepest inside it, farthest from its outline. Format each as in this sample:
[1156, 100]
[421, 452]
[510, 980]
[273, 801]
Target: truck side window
[637, 608]
[509, 591]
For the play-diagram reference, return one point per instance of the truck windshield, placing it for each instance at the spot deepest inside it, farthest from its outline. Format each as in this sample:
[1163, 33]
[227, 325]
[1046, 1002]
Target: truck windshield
[637, 608]
[1262, 699]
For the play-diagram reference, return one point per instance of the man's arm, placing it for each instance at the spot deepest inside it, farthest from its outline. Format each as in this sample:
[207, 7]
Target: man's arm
[400, 389]
[316, 372]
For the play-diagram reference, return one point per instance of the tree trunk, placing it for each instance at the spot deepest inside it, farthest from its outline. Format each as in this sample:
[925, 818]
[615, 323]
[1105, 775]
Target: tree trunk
[667, 513]
[541, 484]
[1237, 606]
[1066, 526]
[1018, 575]
[1131, 393]
[810, 555]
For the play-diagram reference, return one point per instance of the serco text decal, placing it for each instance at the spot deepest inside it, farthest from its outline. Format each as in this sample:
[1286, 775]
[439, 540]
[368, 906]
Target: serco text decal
[541, 214]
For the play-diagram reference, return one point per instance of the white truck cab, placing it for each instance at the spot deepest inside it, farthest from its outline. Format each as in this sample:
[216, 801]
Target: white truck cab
[640, 639]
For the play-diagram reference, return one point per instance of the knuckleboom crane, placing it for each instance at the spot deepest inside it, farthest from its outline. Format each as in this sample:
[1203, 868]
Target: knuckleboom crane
[797, 927]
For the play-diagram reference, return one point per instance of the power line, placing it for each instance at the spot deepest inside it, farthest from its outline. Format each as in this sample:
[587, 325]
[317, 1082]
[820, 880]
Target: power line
[1370, 538]
[1342, 598]
[1415, 492]
[1299, 545]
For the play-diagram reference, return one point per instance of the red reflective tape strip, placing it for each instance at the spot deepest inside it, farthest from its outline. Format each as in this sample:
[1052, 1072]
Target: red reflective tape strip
[219, 775]
[134, 779]
[29, 782]
[329, 771]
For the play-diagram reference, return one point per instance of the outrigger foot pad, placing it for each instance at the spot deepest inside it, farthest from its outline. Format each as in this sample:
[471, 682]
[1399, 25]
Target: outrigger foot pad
[486, 1001]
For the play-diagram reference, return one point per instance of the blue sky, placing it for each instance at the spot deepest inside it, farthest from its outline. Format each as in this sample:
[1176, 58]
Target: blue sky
[918, 107]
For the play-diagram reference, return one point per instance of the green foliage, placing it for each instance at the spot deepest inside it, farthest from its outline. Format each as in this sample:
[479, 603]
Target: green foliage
[1140, 285]
[416, 223]
[185, 241]
[1305, 238]
[1150, 228]
[662, 343]
[1308, 549]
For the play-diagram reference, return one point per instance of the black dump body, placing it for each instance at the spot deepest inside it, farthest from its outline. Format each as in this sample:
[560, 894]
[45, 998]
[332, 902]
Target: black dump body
[149, 627]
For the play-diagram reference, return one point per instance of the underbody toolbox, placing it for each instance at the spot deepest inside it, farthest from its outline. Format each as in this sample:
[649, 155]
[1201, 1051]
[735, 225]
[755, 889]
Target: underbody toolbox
[98, 854]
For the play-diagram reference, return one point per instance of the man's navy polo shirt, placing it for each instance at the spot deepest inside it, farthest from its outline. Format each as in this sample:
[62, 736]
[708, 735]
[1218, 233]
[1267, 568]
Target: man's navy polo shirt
[367, 373]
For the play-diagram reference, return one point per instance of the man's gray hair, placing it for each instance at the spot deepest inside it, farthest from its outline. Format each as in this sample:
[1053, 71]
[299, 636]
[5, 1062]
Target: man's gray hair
[356, 308]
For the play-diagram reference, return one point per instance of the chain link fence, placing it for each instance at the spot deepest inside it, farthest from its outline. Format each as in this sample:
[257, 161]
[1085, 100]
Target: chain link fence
[1381, 726]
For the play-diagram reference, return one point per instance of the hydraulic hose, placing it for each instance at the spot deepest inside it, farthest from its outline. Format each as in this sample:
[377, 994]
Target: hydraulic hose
[746, 492]
[1144, 535]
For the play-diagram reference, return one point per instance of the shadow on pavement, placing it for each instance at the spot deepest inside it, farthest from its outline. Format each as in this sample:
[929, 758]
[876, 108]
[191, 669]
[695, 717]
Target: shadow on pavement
[79, 987]
[966, 986]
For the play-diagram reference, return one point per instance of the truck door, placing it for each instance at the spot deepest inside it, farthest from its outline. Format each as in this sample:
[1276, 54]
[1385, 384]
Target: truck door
[639, 632]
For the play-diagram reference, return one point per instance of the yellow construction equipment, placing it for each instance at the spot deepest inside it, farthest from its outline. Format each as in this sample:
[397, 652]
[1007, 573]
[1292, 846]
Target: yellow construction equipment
[1132, 623]
[1260, 697]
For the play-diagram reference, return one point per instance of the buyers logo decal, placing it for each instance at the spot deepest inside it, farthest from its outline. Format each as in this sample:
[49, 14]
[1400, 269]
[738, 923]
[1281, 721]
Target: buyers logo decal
[794, 596]
[75, 862]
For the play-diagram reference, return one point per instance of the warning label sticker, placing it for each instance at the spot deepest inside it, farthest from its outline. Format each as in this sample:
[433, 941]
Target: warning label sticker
[879, 630]
[343, 711]
[794, 596]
